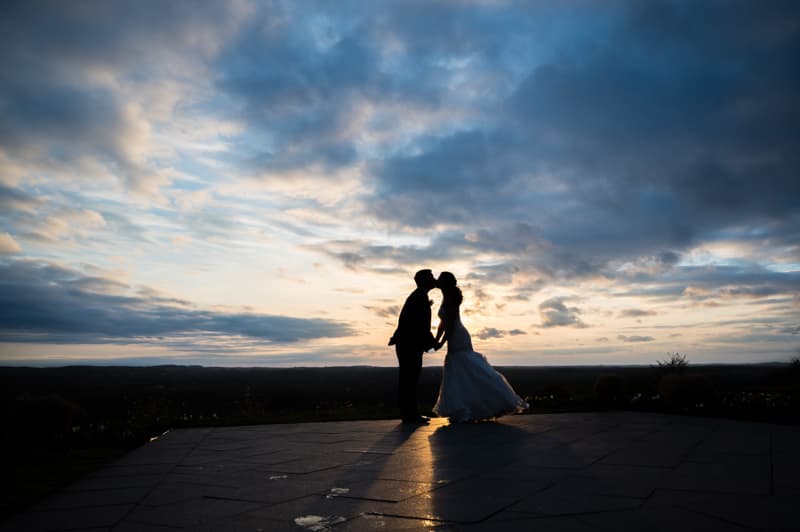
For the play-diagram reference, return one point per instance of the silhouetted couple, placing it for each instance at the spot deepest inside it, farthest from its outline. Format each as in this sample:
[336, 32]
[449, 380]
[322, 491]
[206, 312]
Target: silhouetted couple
[471, 390]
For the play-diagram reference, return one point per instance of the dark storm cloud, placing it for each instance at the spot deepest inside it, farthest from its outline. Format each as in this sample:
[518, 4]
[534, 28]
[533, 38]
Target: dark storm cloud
[610, 132]
[300, 71]
[705, 282]
[388, 312]
[491, 332]
[554, 313]
[494, 273]
[636, 313]
[387, 259]
[16, 199]
[662, 130]
[635, 338]
[296, 78]
[51, 110]
[49, 303]
[630, 134]
[538, 144]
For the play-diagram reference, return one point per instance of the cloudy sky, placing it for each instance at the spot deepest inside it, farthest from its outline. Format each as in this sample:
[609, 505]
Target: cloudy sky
[255, 183]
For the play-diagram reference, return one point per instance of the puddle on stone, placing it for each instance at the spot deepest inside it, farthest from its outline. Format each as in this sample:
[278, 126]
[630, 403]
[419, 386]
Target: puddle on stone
[335, 492]
[319, 523]
[380, 521]
[279, 477]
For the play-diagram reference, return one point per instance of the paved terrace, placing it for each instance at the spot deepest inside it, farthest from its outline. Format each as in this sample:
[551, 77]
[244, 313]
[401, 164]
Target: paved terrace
[561, 472]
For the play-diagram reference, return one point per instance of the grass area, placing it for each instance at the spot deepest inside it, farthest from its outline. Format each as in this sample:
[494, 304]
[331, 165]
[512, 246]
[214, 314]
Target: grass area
[63, 422]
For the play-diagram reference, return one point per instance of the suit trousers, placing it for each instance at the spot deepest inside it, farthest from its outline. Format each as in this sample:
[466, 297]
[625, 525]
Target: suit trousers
[410, 365]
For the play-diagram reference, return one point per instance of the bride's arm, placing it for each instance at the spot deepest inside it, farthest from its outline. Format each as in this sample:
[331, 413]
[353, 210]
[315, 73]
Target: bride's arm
[439, 333]
[445, 327]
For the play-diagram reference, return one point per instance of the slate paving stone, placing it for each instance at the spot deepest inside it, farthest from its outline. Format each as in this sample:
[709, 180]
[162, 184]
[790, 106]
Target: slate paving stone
[382, 490]
[115, 470]
[248, 524]
[425, 473]
[658, 520]
[511, 522]
[544, 476]
[67, 519]
[581, 471]
[390, 465]
[156, 455]
[618, 481]
[476, 461]
[786, 472]
[266, 492]
[759, 513]
[267, 459]
[647, 454]
[133, 526]
[274, 447]
[382, 523]
[559, 457]
[220, 466]
[172, 493]
[302, 466]
[736, 442]
[326, 439]
[225, 445]
[332, 510]
[92, 482]
[680, 433]
[562, 500]
[785, 439]
[704, 456]
[104, 497]
[329, 478]
[366, 452]
[486, 497]
[190, 512]
[591, 451]
[743, 477]
[730, 511]
[572, 434]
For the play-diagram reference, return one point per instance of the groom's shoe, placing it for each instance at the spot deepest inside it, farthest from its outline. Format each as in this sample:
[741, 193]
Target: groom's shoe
[417, 420]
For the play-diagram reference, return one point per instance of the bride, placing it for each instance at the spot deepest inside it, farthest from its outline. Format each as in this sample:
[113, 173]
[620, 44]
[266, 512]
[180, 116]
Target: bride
[471, 389]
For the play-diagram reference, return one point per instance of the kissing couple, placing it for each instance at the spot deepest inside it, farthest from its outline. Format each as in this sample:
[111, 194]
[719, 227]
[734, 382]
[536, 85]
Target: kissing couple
[471, 390]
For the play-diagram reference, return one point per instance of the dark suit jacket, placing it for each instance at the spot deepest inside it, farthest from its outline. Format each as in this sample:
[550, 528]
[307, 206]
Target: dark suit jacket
[414, 325]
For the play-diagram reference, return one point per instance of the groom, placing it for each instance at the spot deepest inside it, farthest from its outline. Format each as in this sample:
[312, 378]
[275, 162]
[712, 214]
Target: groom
[411, 339]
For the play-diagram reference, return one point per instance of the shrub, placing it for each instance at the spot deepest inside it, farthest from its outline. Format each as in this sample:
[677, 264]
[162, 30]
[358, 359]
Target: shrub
[609, 390]
[684, 393]
[676, 363]
[45, 419]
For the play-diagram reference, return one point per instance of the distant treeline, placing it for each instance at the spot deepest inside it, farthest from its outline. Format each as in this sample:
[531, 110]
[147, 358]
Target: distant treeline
[87, 405]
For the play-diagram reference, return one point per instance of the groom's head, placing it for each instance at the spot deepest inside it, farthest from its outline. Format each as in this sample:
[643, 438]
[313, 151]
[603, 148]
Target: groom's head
[425, 279]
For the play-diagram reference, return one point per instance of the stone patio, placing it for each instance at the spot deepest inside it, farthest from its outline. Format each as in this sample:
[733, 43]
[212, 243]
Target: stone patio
[559, 472]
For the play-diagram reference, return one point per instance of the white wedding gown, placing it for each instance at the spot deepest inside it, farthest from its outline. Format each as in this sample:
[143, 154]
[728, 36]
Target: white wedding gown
[471, 389]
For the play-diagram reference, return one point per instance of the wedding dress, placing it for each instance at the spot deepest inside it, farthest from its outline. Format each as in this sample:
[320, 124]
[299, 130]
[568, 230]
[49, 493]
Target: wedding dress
[471, 389]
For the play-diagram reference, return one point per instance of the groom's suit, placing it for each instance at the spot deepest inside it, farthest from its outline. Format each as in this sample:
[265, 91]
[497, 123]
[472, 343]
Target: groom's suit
[411, 339]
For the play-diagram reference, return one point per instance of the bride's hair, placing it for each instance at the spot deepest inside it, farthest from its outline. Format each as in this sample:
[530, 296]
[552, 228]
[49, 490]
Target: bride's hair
[451, 292]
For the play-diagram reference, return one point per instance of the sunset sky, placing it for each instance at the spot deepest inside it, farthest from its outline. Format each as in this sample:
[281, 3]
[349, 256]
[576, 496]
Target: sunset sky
[255, 183]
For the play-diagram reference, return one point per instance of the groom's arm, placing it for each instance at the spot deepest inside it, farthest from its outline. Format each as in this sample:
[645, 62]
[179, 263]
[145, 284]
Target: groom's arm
[424, 314]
